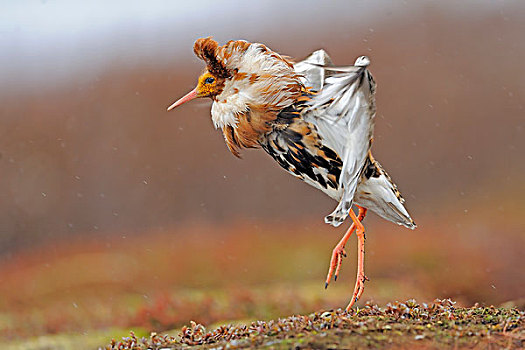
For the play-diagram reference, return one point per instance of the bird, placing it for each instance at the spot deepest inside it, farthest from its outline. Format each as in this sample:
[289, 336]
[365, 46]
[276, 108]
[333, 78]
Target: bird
[315, 119]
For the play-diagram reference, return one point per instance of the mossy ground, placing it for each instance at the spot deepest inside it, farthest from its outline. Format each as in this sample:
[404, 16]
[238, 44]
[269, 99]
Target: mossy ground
[398, 325]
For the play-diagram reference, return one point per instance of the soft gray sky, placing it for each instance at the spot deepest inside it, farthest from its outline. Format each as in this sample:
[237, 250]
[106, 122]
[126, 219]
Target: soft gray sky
[55, 39]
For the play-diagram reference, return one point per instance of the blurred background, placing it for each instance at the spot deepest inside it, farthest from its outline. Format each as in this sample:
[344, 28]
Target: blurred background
[115, 213]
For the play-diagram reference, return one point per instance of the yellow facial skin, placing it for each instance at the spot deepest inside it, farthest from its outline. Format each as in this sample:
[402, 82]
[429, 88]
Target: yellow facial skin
[207, 85]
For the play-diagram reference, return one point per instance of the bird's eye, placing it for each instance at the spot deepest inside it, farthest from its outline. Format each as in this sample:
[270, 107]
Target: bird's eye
[209, 80]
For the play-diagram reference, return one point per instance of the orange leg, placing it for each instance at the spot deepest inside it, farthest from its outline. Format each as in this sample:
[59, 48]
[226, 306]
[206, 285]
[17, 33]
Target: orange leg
[339, 251]
[361, 278]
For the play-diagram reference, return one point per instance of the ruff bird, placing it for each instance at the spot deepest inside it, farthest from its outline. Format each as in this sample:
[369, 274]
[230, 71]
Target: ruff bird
[314, 118]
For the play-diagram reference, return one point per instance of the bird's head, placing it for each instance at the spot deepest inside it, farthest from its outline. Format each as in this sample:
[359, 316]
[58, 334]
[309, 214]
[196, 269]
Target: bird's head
[211, 82]
[208, 85]
[242, 76]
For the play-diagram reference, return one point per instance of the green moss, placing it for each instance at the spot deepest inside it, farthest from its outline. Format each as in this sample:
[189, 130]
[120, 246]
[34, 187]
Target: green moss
[437, 325]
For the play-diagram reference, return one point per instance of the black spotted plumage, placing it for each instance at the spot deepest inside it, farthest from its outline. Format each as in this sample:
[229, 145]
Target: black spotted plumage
[297, 147]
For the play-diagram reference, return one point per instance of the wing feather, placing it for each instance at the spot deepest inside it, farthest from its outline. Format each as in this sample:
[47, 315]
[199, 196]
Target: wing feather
[343, 110]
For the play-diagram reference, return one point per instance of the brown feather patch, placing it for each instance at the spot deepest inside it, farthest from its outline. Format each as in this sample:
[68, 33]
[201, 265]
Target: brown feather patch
[250, 128]
[231, 141]
[206, 49]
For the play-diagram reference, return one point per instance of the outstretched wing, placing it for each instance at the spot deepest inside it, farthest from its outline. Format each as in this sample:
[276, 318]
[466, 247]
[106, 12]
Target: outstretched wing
[343, 110]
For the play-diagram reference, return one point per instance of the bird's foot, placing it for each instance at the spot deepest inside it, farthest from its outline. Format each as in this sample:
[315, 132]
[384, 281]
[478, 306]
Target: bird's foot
[358, 290]
[335, 263]
[361, 278]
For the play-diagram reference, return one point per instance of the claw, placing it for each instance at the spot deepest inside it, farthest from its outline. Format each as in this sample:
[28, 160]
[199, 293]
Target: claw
[335, 263]
[337, 257]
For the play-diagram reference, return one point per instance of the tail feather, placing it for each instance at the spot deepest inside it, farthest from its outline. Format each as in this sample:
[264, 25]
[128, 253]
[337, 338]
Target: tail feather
[378, 192]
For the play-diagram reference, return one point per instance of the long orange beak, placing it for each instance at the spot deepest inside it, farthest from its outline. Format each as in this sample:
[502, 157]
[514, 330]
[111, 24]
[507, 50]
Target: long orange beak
[188, 97]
